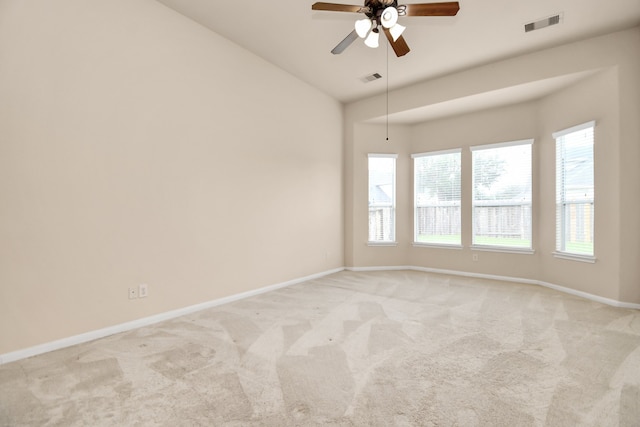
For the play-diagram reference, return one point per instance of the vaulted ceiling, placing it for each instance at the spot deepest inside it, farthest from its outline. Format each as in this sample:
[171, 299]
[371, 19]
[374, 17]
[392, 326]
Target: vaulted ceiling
[290, 35]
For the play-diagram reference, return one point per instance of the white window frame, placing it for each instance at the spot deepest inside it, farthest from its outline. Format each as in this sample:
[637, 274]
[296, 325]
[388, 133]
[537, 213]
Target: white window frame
[560, 225]
[392, 205]
[501, 248]
[416, 156]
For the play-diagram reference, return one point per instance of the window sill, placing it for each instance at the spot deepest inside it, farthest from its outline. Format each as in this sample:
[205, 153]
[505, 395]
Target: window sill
[504, 249]
[436, 246]
[575, 257]
[382, 244]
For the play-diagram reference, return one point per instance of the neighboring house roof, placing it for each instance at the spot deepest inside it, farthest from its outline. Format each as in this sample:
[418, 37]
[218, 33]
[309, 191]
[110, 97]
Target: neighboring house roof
[380, 194]
[580, 172]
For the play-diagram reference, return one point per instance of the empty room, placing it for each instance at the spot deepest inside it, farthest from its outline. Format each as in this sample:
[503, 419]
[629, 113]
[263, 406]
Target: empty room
[300, 213]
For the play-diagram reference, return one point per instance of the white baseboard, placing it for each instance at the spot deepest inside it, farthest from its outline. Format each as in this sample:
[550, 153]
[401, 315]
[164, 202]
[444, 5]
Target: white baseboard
[382, 268]
[586, 295]
[123, 327]
[603, 300]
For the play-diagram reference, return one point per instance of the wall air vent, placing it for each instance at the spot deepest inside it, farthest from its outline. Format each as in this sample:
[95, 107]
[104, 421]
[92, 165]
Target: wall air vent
[546, 22]
[370, 78]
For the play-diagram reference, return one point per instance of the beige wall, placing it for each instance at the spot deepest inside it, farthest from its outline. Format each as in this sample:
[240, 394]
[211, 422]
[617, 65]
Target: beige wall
[610, 95]
[372, 139]
[593, 99]
[138, 147]
[629, 104]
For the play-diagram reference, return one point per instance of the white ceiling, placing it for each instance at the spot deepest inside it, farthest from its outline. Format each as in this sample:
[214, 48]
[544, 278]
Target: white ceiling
[290, 35]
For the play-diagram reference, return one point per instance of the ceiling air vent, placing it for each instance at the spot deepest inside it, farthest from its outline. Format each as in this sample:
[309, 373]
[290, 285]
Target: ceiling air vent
[370, 78]
[546, 22]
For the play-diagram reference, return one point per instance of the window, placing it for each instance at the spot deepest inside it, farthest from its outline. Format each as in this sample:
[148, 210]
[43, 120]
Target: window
[502, 195]
[382, 198]
[437, 198]
[575, 190]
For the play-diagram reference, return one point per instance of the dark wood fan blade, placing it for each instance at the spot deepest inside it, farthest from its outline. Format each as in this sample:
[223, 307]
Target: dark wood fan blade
[334, 7]
[399, 46]
[345, 43]
[433, 9]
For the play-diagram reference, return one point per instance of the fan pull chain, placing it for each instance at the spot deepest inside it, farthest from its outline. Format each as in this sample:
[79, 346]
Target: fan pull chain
[387, 91]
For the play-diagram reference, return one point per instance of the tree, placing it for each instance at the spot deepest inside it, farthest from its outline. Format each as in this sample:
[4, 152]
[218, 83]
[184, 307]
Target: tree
[486, 171]
[439, 177]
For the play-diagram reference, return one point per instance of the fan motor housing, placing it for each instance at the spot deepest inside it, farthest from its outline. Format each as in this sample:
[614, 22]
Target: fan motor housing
[380, 3]
[377, 6]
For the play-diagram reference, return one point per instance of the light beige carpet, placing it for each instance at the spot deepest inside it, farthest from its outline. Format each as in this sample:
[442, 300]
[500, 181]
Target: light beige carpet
[395, 348]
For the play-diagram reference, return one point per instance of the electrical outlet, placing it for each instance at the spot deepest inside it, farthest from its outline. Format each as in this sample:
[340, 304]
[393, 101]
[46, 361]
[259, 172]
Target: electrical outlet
[133, 293]
[475, 257]
[143, 290]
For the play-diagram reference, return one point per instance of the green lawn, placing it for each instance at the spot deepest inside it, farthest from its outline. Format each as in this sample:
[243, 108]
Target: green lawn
[582, 248]
[502, 241]
[454, 239]
[451, 239]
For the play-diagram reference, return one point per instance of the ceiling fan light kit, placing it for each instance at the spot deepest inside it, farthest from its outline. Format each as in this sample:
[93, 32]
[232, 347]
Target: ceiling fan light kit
[373, 39]
[385, 13]
[389, 17]
[363, 26]
[396, 31]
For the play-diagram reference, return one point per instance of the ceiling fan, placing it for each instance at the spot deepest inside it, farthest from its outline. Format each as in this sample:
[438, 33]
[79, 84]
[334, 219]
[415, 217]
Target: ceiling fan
[383, 14]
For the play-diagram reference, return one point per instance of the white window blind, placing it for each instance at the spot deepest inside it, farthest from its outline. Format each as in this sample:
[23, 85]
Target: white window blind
[437, 197]
[502, 195]
[382, 198]
[575, 190]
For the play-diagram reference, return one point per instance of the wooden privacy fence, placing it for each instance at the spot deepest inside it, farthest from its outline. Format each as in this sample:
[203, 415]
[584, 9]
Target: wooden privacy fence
[381, 227]
[504, 219]
[578, 220]
[437, 220]
[495, 218]
[501, 219]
